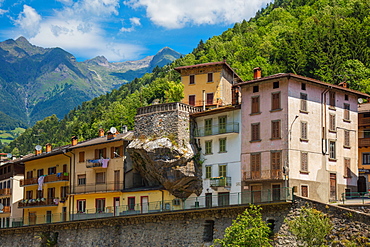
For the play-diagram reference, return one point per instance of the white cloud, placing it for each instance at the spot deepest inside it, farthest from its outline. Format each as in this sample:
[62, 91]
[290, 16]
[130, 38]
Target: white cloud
[2, 11]
[91, 9]
[66, 2]
[29, 21]
[134, 21]
[178, 13]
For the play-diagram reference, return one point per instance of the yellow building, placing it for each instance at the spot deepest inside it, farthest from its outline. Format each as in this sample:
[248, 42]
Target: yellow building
[46, 186]
[363, 184]
[104, 183]
[208, 85]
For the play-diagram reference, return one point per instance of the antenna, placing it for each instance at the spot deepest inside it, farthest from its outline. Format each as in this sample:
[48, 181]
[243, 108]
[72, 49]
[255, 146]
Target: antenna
[113, 130]
[38, 147]
[360, 100]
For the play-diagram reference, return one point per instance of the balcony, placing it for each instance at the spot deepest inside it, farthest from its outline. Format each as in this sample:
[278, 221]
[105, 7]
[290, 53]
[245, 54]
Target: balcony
[220, 182]
[39, 202]
[217, 130]
[263, 175]
[98, 163]
[61, 176]
[5, 192]
[363, 121]
[363, 142]
[6, 209]
[93, 188]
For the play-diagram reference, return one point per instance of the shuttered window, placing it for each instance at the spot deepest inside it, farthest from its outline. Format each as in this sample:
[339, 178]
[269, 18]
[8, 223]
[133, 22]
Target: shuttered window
[347, 138]
[275, 101]
[346, 111]
[275, 129]
[332, 126]
[303, 102]
[256, 165]
[304, 131]
[192, 79]
[100, 153]
[255, 127]
[304, 161]
[210, 77]
[276, 160]
[332, 99]
[81, 157]
[192, 100]
[100, 178]
[255, 104]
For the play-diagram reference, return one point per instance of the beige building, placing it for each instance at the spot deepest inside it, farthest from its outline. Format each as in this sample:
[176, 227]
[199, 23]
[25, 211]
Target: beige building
[298, 132]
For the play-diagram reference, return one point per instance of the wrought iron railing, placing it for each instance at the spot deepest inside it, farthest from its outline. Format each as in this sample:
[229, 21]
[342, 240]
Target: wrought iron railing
[355, 197]
[100, 187]
[191, 203]
[217, 129]
[5, 192]
[39, 202]
[263, 175]
[220, 182]
[61, 176]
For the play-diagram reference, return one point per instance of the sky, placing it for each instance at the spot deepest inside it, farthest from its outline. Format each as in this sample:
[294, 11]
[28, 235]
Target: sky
[121, 30]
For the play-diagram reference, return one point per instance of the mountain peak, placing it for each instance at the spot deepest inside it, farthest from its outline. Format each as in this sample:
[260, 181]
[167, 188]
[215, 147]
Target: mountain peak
[99, 60]
[22, 40]
[164, 56]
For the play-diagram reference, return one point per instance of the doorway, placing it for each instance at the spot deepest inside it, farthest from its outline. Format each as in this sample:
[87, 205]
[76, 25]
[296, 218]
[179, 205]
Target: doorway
[333, 187]
[144, 204]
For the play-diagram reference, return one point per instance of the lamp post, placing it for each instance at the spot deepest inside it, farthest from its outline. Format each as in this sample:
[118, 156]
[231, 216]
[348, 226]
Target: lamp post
[286, 167]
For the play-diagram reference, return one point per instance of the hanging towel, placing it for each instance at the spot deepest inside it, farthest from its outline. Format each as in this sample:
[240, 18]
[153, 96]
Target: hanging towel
[59, 174]
[104, 163]
[40, 182]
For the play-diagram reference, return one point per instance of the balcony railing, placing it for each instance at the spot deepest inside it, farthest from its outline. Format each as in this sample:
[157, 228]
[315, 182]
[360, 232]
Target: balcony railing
[220, 182]
[6, 209]
[363, 121]
[217, 130]
[102, 187]
[191, 203]
[5, 192]
[39, 202]
[363, 142]
[263, 175]
[98, 163]
[61, 176]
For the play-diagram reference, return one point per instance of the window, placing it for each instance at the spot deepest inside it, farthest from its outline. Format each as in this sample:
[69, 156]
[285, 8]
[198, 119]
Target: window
[303, 86]
[100, 153]
[275, 84]
[208, 171]
[366, 133]
[275, 101]
[255, 104]
[276, 160]
[303, 102]
[222, 170]
[208, 147]
[63, 192]
[116, 152]
[332, 99]
[347, 139]
[210, 77]
[81, 179]
[81, 206]
[222, 145]
[275, 129]
[81, 157]
[208, 126]
[100, 178]
[40, 172]
[346, 97]
[347, 167]
[332, 150]
[52, 170]
[100, 205]
[209, 98]
[192, 79]
[365, 158]
[304, 131]
[51, 193]
[222, 124]
[192, 100]
[255, 89]
[346, 111]
[256, 165]
[332, 126]
[304, 161]
[40, 193]
[131, 203]
[255, 132]
[29, 174]
[29, 194]
[304, 190]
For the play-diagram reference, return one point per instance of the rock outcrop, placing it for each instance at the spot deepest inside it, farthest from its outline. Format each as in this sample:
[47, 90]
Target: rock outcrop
[162, 161]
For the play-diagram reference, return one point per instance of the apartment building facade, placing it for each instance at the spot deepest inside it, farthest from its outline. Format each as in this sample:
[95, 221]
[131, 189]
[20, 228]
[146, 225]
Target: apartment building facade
[298, 132]
[364, 147]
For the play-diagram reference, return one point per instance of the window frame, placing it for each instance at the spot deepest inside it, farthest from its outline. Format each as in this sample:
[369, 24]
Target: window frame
[332, 151]
[208, 147]
[208, 171]
[222, 170]
[222, 122]
[103, 178]
[304, 162]
[208, 122]
[210, 77]
[346, 112]
[191, 79]
[275, 101]
[222, 145]
[255, 132]
[347, 139]
[303, 106]
[332, 122]
[191, 99]
[304, 131]
[81, 179]
[276, 129]
[255, 104]
[81, 157]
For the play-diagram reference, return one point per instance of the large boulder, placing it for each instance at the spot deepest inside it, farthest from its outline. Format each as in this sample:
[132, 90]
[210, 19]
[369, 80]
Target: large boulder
[162, 161]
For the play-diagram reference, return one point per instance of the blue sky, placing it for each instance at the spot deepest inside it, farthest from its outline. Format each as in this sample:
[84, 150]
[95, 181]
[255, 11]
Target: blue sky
[121, 30]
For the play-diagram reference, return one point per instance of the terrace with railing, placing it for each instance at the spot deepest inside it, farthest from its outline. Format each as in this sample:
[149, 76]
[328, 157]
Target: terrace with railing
[220, 182]
[97, 187]
[263, 175]
[217, 129]
[38, 202]
[59, 177]
[191, 203]
[5, 192]
[6, 209]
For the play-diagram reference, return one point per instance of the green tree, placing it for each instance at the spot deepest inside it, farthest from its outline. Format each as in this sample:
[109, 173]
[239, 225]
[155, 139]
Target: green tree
[247, 230]
[311, 227]
[175, 93]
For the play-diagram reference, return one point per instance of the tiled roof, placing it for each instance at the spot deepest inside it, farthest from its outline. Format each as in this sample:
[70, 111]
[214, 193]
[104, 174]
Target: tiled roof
[281, 75]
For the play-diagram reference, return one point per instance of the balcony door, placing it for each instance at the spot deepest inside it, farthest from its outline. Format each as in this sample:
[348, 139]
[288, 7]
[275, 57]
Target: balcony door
[276, 192]
[333, 186]
[256, 193]
[144, 204]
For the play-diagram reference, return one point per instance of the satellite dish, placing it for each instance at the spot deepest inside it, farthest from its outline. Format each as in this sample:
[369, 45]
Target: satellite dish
[38, 147]
[360, 100]
[113, 130]
[9, 155]
[1, 206]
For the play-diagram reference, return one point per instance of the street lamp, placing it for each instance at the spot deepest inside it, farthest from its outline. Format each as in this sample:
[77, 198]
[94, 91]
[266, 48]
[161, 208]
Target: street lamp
[286, 167]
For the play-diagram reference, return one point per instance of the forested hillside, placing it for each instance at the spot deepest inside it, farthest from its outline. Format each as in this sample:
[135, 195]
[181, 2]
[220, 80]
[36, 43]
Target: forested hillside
[327, 40]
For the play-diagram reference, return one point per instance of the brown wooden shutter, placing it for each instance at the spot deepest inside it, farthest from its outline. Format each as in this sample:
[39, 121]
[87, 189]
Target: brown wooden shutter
[255, 104]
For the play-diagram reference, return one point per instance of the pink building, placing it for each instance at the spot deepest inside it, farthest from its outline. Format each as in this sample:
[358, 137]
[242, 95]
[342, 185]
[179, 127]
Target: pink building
[298, 132]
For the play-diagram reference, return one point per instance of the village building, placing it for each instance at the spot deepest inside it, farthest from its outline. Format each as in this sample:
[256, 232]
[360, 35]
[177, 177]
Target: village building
[364, 148]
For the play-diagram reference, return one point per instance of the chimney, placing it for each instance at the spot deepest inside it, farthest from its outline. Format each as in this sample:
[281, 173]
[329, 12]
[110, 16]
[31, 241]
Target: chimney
[257, 73]
[110, 135]
[74, 140]
[343, 84]
[124, 128]
[48, 148]
[38, 152]
[101, 132]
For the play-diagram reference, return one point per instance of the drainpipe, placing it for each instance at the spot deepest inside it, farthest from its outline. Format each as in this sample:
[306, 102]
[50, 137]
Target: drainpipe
[324, 147]
[71, 199]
